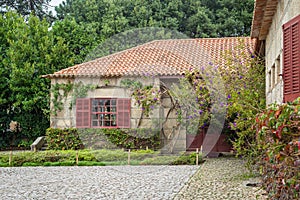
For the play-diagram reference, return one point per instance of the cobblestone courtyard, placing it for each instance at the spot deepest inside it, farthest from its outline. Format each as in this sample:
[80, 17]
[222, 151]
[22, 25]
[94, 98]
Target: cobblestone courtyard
[215, 179]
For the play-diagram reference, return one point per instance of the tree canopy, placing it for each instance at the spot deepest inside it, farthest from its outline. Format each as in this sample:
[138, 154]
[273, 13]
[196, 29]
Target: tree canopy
[196, 18]
[28, 50]
[39, 8]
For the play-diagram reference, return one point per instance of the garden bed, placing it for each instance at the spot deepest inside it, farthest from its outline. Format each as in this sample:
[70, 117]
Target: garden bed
[94, 158]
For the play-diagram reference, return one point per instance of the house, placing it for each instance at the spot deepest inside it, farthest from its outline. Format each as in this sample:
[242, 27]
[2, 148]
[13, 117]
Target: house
[110, 105]
[276, 25]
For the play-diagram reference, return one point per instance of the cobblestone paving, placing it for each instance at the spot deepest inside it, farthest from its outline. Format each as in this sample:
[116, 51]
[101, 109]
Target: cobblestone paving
[216, 179]
[106, 182]
[220, 179]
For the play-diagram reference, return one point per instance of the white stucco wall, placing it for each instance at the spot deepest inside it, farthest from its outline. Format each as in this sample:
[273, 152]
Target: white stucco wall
[286, 10]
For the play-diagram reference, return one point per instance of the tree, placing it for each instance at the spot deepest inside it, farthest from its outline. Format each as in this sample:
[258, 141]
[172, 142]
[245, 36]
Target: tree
[27, 7]
[28, 51]
[231, 17]
[196, 18]
[80, 39]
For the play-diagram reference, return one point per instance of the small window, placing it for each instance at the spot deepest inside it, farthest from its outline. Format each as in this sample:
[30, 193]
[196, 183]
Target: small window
[269, 81]
[278, 69]
[273, 78]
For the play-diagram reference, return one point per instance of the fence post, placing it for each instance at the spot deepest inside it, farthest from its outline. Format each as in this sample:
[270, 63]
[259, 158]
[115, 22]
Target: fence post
[197, 156]
[128, 156]
[77, 157]
[10, 159]
[201, 150]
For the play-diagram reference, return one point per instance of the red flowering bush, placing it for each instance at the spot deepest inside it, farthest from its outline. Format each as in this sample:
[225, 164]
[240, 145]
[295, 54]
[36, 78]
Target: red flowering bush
[278, 135]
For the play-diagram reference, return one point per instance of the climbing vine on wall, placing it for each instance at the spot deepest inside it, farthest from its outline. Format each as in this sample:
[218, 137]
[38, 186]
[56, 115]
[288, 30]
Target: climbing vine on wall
[61, 91]
[145, 97]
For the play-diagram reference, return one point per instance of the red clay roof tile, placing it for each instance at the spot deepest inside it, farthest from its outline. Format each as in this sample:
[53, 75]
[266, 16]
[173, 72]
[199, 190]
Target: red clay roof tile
[160, 57]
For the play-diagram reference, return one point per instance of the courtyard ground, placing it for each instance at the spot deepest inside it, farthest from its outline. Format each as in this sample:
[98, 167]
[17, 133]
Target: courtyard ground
[221, 178]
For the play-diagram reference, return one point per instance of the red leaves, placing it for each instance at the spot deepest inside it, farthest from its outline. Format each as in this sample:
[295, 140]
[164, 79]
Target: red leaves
[279, 131]
[277, 113]
[279, 147]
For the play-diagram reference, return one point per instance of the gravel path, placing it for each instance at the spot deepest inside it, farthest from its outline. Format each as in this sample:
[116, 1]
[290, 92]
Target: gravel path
[105, 182]
[216, 179]
[220, 179]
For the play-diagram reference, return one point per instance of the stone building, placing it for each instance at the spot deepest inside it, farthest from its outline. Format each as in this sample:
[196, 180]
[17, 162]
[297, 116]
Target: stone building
[109, 104]
[276, 25]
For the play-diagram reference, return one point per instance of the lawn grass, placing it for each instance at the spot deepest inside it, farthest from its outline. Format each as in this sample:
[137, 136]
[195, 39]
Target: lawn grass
[94, 158]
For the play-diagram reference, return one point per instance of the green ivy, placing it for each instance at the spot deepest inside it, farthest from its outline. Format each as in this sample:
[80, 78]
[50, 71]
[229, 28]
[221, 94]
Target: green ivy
[61, 91]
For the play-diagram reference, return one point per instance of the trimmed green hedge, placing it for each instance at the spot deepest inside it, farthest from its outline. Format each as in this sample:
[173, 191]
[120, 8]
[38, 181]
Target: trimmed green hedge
[63, 139]
[95, 158]
[73, 139]
[120, 138]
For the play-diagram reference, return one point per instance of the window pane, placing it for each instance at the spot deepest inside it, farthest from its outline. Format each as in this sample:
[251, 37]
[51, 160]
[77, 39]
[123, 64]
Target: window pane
[95, 123]
[104, 112]
[101, 102]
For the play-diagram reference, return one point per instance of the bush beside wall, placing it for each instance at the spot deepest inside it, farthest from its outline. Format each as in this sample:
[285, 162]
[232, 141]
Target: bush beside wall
[63, 139]
[73, 139]
[278, 138]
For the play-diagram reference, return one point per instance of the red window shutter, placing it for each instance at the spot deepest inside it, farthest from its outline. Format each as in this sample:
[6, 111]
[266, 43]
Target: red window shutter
[83, 113]
[291, 59]
[123, 113]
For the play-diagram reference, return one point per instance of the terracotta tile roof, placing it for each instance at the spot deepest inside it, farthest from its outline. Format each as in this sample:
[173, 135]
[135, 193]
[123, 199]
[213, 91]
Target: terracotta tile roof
[264, 11]
[160, 57]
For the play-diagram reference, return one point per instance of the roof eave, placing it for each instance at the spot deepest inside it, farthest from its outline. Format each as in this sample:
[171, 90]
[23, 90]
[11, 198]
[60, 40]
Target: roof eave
[264, 11]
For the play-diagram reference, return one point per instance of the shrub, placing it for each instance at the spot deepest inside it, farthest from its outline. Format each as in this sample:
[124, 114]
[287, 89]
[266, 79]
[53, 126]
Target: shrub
[90, 163]
[123, 138]
[278, 136]
[63, 139]
[31, 164]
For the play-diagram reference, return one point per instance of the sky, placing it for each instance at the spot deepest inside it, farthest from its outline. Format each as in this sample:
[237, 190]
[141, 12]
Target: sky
[54, 3]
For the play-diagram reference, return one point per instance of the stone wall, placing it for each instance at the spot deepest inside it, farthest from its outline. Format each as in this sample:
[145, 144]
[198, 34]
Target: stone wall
[286, 10]
[111, 88]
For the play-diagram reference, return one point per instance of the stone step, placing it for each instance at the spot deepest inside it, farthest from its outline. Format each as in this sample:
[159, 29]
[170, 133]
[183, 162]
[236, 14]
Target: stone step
[43, 148]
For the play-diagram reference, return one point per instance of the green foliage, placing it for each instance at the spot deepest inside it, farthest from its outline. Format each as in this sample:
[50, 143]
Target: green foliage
[61, 91]
[27, 7]
[63, 139]
[132, 138]
[244, 78]
[28, 50]
[131, 84]
[145, 97]
[193, 96]
[196, 18]
[80, 38]
[90, 163]
[278, 140]
[95, 158]
[183, 159]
